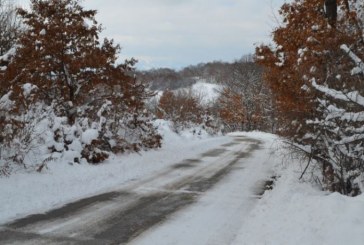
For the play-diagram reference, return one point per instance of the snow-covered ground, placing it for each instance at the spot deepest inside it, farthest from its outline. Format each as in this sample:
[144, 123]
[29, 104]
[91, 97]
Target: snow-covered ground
[208, 92]
[299, 213]
[217, 216]
[25, 193]
[292, 213]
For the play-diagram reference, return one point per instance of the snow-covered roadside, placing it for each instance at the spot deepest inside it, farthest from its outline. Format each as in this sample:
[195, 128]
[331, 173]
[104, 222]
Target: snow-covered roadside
[295, 212]
[292, 213]
[25, 193]
[218, 214]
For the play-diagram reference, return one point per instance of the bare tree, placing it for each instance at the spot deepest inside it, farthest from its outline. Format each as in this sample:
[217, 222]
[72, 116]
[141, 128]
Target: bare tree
[9, 26]
[244, 91]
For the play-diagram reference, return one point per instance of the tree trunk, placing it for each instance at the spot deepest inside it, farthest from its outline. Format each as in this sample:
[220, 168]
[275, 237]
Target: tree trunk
[331, 11]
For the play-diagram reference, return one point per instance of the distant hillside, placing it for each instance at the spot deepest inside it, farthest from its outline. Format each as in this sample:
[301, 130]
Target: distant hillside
[212, 73]
[207, 93]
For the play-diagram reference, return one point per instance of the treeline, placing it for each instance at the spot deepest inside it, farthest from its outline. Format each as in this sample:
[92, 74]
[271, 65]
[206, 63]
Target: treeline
[211, 72]
[244, 103]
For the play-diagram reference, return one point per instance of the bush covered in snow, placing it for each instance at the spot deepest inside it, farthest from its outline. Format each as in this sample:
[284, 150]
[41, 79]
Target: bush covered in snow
[64, 96]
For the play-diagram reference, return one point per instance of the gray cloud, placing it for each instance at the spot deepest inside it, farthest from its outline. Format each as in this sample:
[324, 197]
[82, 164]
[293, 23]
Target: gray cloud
[177, 33]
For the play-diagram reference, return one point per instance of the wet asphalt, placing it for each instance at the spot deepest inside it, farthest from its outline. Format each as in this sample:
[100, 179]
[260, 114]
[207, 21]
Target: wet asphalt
[119, 216]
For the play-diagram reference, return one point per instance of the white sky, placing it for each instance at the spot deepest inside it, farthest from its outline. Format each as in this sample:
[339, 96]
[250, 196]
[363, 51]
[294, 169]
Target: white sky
[178, 33]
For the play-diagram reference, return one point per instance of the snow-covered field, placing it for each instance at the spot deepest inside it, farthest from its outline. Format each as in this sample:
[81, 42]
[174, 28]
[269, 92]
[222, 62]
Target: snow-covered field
[291, 213]
[208, 92]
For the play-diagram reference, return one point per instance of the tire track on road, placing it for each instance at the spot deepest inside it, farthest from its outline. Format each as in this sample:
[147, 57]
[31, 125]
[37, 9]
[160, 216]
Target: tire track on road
[124, 223]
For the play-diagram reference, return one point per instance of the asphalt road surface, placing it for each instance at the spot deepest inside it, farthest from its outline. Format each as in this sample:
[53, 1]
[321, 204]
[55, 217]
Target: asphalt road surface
[122, 215]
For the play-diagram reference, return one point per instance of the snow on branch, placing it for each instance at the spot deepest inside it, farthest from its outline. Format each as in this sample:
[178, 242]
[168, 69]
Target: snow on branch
[334, 112]
[359, 63]
[353, 96]
[5, 102]
[350, 139]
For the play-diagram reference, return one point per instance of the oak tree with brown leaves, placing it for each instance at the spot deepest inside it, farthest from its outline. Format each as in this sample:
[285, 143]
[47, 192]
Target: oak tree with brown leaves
[314, 72]
[61, 65]
[182, 108]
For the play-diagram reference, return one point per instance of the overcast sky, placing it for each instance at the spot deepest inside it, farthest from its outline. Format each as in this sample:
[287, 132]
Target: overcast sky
[178, 33]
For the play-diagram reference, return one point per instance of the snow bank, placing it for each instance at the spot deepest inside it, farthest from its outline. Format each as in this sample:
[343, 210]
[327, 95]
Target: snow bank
[165, 129]
[89, 135]
[25, 193]
[292, 213]
[298, 213]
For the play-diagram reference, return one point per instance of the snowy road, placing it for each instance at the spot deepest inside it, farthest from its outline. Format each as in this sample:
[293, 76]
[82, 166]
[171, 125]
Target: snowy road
[201, 200]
